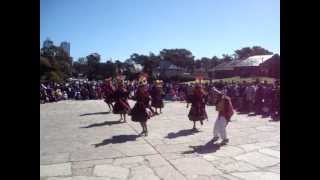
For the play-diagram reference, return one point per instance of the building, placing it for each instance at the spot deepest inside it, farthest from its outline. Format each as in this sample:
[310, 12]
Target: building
[272, 66]
[251, 66]
[168, 69]
[223, 70]
[260, 65]
[201, 71]
[47, 43]
[65, 46]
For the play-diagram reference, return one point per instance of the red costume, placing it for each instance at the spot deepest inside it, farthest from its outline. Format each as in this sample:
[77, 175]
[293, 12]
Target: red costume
[121, 105]
[108, 93]
[156, 95]
[198, 110]
[139, 111]
[225, 108]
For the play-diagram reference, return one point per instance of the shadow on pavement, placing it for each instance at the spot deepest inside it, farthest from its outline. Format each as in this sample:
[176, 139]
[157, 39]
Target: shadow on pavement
[242, 112]
[209, 147]
[96, 113]
[109, 123]
[185, 132]
[265, 116]
[117, 139]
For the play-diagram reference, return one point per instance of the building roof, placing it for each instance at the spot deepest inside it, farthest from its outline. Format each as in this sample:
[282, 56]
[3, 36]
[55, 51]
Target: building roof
[275, 60]
[225, 66]
[253, 60]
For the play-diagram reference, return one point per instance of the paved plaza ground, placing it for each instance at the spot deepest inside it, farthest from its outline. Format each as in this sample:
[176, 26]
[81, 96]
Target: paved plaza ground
[79, 140]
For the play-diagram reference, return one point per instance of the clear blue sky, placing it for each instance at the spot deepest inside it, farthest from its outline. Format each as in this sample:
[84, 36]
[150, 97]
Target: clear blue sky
[117, 28]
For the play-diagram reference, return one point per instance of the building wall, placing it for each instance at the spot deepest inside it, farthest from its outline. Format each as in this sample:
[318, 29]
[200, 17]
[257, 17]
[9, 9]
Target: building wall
[219, 74]
[201, 72]
[171, 73]
[247, 71]
[273, 66]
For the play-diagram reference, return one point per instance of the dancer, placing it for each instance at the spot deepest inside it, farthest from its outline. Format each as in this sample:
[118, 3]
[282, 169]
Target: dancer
[225, 109]
[121, 95]
[198, 110]
[140, 111]
[109, 93]
[157, 94]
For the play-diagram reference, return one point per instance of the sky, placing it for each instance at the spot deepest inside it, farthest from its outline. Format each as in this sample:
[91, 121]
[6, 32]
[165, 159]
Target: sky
[118, 28]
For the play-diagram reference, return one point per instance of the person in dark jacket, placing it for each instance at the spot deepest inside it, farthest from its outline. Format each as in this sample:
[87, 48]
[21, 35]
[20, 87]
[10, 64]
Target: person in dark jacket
[121, 105]
[108, 91]
[198, 110]
[156, 95]
[142, 110]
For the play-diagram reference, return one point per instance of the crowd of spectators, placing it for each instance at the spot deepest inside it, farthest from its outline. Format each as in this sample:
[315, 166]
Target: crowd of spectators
[247, 97]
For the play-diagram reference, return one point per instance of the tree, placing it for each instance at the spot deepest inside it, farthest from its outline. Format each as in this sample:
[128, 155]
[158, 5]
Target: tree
[257, 50]
[226, 58]
[45, 67]
[137, 58]
[148, 62]
[54, 76]
[83, 60]
[214, 61]
[93, 63]
[55, 64]
[205, 63]
[246, 52]
[179, 57]
[93, 58]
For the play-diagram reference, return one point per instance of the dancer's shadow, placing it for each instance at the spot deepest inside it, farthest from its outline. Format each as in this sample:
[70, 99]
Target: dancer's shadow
[108, 123]
[96, 113]
[209, 147]
[185, 132]
[117, 139]
[242, 112]
[265, 116]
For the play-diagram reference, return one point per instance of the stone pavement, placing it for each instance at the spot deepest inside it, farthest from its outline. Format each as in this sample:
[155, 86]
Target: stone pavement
[80, 141]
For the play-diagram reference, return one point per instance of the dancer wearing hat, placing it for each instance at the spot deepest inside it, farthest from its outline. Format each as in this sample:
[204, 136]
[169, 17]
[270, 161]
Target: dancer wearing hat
[140, 111]
[225, 112]
[156, 95]
[198, 109]
[108, 91]
[121, 105]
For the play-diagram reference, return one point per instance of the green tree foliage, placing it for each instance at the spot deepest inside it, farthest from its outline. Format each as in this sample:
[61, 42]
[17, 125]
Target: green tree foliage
[214, 61]
[93, 61]
[55, 64]
[179, 57]
[226, 58]
[148, 62]
[246, 52]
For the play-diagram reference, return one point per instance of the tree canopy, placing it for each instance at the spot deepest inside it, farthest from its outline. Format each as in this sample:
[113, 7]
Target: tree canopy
[246, 52]
[57, 65]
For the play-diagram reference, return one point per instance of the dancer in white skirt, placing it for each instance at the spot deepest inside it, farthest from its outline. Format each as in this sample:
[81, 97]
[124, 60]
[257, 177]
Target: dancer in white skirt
[225, 109]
